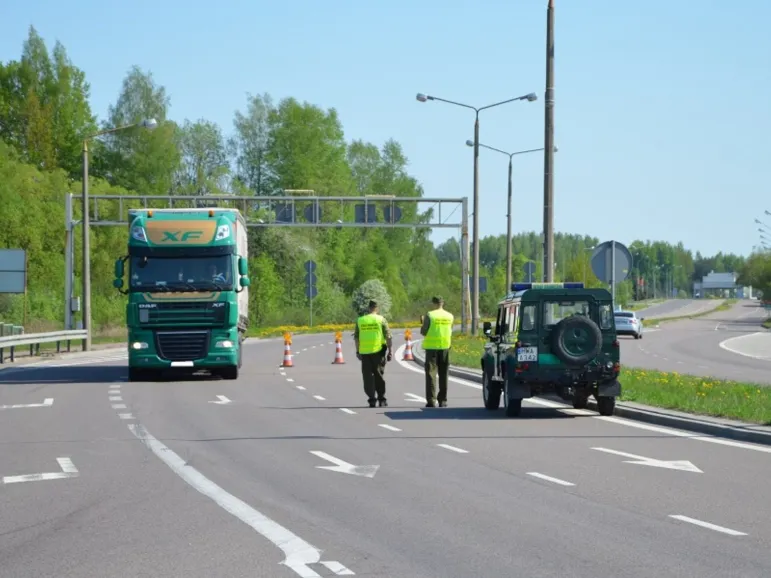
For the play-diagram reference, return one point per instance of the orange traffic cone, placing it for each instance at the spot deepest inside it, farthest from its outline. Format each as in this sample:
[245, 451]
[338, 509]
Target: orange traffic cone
[408, 349]
[287, 351]
[338, 350]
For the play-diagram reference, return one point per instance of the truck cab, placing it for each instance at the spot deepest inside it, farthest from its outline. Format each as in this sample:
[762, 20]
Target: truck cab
[552, 338]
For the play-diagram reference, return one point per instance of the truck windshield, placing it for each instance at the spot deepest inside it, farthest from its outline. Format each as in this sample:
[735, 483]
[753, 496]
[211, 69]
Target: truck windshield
[556, 311]
[182, 273]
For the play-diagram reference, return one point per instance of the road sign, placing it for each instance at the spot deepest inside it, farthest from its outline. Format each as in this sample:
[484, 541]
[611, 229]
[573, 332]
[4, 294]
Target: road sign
[612, 263]
[482, 285]
[310, 279]
[310, 266]
[529, 269]
[13, 270]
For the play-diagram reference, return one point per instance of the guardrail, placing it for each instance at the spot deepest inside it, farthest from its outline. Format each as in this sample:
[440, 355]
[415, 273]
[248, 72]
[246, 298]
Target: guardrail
[35, 339]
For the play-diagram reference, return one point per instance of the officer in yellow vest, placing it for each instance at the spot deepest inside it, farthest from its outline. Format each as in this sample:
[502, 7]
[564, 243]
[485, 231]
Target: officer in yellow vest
[373, 348]
[437, 332]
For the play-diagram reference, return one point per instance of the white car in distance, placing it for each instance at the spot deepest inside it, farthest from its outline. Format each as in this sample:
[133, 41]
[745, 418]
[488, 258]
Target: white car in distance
[627, 323]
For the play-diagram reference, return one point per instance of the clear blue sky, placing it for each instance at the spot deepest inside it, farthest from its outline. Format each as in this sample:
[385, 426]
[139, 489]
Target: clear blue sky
[662, 108]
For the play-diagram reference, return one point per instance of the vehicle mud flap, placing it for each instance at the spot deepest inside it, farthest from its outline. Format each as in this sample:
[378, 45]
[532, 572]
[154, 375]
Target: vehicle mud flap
[611, 389]
[516, 390]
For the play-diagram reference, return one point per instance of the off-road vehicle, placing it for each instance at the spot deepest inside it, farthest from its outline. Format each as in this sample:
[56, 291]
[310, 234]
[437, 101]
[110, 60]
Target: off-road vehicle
[552, 338]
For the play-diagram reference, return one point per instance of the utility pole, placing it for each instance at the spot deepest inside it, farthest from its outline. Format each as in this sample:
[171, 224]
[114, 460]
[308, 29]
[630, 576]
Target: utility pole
[548, 164]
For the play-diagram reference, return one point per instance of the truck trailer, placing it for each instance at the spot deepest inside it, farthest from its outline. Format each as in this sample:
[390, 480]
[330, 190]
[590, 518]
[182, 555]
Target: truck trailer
[188, 291]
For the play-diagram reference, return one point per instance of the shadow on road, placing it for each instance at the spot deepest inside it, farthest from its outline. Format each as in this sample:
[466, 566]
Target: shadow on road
[101, 373]
[475, 413]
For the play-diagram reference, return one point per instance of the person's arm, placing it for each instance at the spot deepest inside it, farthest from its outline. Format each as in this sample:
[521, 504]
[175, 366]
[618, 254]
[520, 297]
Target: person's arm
[388, 336]
[356, 336]
[426, 325]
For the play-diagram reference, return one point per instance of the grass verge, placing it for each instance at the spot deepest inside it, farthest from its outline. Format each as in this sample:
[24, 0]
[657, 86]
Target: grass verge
[746, 402]
[767, 323]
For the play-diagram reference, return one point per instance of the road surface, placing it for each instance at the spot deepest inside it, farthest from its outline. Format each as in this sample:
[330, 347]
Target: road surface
[678, 307]
[727, 345]
[257, 477]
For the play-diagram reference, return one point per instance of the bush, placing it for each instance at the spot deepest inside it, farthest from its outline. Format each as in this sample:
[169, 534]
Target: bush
[372, 290]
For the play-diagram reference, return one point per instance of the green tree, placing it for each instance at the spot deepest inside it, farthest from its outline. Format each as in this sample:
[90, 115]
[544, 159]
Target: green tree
[372, 290]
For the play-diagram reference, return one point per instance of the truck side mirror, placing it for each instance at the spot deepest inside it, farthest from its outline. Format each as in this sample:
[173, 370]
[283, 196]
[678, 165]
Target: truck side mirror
[487, 328]
[119, 268]
[242, 266]
[117, 283]
[245, 281]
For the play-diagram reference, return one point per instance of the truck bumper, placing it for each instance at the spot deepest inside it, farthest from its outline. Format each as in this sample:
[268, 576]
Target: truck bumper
[142, 352]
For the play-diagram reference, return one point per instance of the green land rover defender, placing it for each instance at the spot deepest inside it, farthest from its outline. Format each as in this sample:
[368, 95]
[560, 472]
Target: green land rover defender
[552, 338]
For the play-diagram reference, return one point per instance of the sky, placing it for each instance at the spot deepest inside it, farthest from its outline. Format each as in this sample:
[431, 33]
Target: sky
[662, 114]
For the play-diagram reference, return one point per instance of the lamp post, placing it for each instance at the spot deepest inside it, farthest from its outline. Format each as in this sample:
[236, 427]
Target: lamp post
[149, 124]
[508, 211]
[475, 238]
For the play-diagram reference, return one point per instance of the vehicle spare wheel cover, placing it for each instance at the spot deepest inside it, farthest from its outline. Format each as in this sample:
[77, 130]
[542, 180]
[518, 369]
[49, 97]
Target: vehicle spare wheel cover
[576, 340]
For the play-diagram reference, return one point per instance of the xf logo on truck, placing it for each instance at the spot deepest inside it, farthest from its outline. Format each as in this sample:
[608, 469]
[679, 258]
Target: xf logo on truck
[180, 237]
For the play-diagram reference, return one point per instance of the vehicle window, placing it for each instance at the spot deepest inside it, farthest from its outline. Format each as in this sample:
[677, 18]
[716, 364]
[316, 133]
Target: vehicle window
[556, 311]
[624, 314]
[527, 322]
[512, 327]
[503, 321]
[606, 317]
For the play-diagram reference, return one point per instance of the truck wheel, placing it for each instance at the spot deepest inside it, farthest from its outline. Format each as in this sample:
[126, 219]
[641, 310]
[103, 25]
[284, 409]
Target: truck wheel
[513, 407]
[491, 393]
[606, 405]
[240, 352]
[580, 401]
[136, 374]
[230, 372]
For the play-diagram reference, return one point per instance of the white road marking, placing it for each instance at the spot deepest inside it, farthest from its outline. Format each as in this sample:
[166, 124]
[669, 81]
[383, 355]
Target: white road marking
[68, 471]
[413, 397]
[290, 380]
[388, 427]
[300, 387]
[298, 553]
[119, 406]
[306, 349]
[47, 402]
[337, 568]
[125, 416]
[617, 420]
[574, 411]
[724, 345]
[319, 398]
[550, 479]
[703, 524]
[346, 410]
[313, 347]
[116, 398]
[683, 465]
[453, 448]
[344, 467]
[222, 400]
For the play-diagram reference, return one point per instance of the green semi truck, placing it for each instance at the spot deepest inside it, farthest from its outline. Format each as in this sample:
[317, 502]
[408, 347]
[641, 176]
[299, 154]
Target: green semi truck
[188, 291]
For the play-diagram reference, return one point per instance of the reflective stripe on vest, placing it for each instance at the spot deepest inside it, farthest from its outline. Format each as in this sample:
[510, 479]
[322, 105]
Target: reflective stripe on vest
[371, 338]
[439, 331]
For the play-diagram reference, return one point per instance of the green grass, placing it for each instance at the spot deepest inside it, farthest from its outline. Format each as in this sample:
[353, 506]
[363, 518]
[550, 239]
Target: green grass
[697, 395]
[767, 323]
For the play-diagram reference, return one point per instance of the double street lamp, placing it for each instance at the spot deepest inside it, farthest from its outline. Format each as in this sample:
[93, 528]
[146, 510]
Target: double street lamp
[508, 211]
[475, 236]
[149, 124]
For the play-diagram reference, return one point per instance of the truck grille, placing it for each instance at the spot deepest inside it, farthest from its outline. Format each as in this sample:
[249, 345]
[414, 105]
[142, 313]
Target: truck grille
[182, 346]
[186, 314]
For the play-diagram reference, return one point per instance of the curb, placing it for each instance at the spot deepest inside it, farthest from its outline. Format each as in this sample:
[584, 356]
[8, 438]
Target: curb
[652, 415]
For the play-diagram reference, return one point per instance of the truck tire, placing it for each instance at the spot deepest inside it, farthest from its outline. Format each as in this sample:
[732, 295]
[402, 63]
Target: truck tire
[491, 393]
[512, 407]
[606, 405]
[576, 340]
[230, 372]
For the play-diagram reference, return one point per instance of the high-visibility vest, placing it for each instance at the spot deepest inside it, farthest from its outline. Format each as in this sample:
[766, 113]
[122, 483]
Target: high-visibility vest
[371, 338]
[439, 331]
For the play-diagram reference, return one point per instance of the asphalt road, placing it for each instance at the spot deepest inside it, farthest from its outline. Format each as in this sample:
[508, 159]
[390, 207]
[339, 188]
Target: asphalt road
[678, 307]
[727, 345]
[169, 483]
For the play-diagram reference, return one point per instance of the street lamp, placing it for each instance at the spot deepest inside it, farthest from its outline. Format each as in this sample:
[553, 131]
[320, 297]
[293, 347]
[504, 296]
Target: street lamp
[149, 124]
[475, 238]
[508, 212]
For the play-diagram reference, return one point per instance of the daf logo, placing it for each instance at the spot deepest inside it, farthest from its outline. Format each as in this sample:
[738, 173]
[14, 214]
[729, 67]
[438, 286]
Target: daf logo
[147, 305]
[219, 304]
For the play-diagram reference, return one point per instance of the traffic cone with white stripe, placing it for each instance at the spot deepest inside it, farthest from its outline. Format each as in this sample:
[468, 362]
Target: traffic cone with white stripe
[287, 351]
[338, 350]
[408, 348]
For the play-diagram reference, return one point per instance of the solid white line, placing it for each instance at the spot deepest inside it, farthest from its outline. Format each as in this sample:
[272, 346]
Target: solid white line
[346, 410]
[612, 419]
[715, 527]
[298, 553]
[125, 416]
[388, 427]
[319, 398]
[116, 398]
[452, 448]
[47, 402]
[550, 479]
[289, 379]
[337, 568]
[300, 387]
[118, 406]
[724, 345]
[68, 471]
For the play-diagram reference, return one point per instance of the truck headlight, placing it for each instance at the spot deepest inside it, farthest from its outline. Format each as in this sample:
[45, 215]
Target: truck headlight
[224, 343]
[139, 345]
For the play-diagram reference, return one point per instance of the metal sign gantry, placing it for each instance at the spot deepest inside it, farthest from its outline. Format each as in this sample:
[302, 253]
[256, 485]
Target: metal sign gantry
[372, 211]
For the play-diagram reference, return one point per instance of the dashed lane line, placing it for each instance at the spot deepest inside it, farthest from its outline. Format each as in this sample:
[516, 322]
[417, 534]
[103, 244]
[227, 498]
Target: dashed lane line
[550, 479]
[707, 525]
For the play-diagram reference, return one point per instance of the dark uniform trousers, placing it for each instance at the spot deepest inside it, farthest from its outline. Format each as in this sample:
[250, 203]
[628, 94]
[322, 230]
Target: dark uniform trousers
[373, 370]
[437, 363]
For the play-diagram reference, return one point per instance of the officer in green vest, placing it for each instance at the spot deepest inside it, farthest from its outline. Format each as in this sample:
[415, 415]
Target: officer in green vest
[373, 348]
[437, 332]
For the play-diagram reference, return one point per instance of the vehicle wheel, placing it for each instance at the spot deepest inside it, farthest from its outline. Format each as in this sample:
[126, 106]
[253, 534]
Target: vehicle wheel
[230, 372]
[136, 374]
[606, 405]
[513, 407]
[240, 352]
[491, 393]
[580, 401]
[576, 340]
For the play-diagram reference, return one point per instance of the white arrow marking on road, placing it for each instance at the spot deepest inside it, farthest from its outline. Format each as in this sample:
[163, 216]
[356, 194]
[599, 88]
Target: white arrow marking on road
[68, 471]
[345, 467]
[47, 402]
[413, 397]
[683, 465]
[222, 400]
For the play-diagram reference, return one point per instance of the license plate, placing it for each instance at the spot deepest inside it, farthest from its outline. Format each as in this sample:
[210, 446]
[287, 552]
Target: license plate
[527, 354]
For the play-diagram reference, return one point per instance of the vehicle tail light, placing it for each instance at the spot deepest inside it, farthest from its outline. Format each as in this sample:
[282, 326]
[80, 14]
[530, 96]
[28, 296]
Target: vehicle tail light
[615, 343]
[517, 343]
